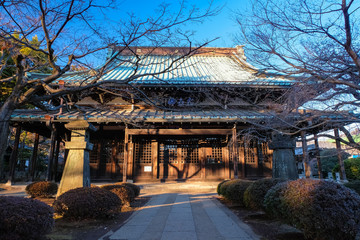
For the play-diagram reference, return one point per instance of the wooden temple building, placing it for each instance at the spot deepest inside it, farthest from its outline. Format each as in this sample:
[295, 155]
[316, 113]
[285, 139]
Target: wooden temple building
[184, 123]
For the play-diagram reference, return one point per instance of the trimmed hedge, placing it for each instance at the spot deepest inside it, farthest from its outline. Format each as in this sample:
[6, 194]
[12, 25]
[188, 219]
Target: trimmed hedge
[124, 192]
[354, 185]
[41, 189]
[255, 193]
[24, 218]
[87, 202]
[233, 190]
[322, 210]
[134, 187]
[218, 189]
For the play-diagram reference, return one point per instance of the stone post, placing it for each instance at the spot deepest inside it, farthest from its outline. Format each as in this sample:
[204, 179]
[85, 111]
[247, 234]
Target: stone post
[284, 165]
[77, 169]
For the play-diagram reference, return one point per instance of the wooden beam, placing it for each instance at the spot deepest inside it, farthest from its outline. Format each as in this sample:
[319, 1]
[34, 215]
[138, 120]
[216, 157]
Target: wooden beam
[227, 162]
[49, 174]
[338, 148]
[14, 156]
[34, 157]
[154, 160]
[318, 156]
[126, 139]
[179, 131]
[305, 155]
[235, 153]
[242, 159]
[56, 162]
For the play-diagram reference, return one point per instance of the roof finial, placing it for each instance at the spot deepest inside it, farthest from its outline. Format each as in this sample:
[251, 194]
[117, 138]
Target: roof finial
[241, 52]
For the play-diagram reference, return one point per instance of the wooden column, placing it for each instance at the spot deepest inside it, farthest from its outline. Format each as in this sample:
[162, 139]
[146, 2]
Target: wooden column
[227, 163]
[242, 159]
[318, 156]
[338, 148]
[34, 157]
[235, 152]
[56, 158]
[130, 159]
[305, 155]
[154, 160]
[14, 156]
[49, 175]
[202, 153]
[125, 155]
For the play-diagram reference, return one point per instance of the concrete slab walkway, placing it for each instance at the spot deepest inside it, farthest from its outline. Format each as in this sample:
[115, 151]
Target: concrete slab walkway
[185, 216]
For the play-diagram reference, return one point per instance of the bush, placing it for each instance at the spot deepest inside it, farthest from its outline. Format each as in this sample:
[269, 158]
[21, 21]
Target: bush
[322, 210]
[124, 192]
[218, 189]
[352, 169]
[134, 187]
[41, 189]
[354, 185]
[255, 193]
[24, 218]
[224, 185]
[235, 190]
[86, 202]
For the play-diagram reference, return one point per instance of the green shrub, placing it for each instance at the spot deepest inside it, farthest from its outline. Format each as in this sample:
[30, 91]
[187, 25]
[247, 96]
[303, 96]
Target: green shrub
[218, 189]
[352, 168]
[124, 192]
[322, 210]
[86, 202]
[41, 189]
[134, 187]
[255, 193]
[354, 185]
[24, 218]
[223, 187]
[235, 191]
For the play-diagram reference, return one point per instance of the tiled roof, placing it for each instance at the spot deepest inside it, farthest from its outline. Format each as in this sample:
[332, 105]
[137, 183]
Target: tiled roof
[202, 70]
[140, 115]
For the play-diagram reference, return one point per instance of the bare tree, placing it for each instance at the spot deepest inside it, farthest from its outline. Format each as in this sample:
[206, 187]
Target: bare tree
[71, 33]
[315, 43]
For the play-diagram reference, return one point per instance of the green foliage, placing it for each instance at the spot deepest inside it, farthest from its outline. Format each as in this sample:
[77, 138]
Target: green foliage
[24, 218]
[321, 209]
[124, 192]
[86, 202]
[218, 189]
[255, 193]
[233, 190]
[329, 159]
[41, 189]
[354, 185]
[352, 169]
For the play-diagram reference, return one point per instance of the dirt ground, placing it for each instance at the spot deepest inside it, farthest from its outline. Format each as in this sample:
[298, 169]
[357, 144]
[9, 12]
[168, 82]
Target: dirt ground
[91, 229]
[262, 225]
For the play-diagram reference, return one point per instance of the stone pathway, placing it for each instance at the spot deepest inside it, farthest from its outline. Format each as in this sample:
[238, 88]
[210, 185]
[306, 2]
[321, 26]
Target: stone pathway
[189, 216]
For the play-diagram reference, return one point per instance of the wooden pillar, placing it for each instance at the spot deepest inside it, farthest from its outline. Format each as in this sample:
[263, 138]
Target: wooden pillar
[125, 155]
[130, 160]
[56, 158]
[305, 155]
[338, 148]
[235, 152]
[34, 157]
[318, 156]
[154, 159]
[242, 159]
[49, 175]
[202, 152]
[227, 163]
[14, 156]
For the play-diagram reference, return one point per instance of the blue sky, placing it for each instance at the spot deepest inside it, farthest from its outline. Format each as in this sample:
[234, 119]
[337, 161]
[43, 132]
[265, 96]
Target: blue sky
[223, 25]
